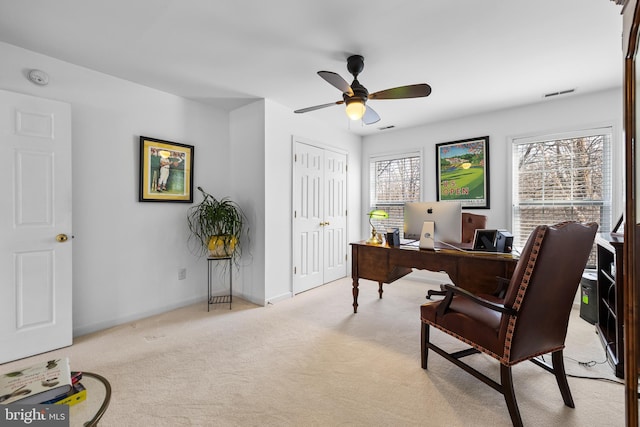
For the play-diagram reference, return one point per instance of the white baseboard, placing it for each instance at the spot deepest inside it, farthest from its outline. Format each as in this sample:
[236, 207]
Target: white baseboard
[278, 298]
[99, 326]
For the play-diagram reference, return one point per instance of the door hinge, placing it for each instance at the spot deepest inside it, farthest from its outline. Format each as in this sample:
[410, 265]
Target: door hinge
[295, 158]
[295, 270]
[295, 214]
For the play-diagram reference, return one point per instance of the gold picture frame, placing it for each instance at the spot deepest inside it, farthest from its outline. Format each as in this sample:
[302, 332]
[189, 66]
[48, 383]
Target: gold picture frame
[166, 171]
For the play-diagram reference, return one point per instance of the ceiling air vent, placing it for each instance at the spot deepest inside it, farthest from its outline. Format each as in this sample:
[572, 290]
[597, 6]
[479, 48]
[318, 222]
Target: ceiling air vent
[386, 127]
[562, 92]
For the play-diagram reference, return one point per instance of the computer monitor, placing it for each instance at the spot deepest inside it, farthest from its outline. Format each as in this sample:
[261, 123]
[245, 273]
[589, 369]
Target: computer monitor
[446, 216]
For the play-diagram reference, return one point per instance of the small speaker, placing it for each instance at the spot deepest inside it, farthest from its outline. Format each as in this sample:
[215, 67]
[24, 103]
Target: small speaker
[393, 237]
[504, 241]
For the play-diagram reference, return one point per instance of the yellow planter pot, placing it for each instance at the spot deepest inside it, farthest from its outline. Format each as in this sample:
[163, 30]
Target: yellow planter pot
[222, 246]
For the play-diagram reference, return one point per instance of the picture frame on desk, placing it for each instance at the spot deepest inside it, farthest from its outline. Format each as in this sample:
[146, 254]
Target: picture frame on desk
[485, 240]
[618, 230]
[462, 172]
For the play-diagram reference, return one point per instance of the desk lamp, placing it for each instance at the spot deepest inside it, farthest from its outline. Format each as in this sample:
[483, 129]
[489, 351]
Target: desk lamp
[376, 214]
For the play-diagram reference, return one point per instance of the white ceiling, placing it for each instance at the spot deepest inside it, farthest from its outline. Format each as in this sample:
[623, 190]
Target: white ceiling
[477, 55]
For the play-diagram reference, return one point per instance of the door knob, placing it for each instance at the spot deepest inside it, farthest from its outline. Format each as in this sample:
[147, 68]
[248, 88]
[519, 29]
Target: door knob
[62, 238]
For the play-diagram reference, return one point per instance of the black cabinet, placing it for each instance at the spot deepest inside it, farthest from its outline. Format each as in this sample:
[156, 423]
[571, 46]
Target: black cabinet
[611, 299]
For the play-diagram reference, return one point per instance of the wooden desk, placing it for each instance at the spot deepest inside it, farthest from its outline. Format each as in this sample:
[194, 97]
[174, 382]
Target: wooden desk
[475, 272]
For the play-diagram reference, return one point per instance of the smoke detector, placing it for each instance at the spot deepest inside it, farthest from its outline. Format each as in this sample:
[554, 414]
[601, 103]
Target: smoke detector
[39, 77]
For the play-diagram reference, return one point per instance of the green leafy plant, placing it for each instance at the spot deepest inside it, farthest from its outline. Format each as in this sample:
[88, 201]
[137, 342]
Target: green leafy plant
[217, 226]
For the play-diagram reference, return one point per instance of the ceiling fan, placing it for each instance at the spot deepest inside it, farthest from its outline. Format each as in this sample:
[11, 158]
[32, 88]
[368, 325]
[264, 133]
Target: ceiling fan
[355, 95]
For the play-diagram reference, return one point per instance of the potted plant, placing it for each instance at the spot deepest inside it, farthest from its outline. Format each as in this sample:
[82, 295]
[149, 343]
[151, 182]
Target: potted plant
[217, 226]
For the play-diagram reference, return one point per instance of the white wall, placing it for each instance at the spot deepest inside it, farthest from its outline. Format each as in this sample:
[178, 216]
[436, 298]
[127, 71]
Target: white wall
[261, 171]
[126, 254]
[282, 124]
[247, 136]
[562, 114]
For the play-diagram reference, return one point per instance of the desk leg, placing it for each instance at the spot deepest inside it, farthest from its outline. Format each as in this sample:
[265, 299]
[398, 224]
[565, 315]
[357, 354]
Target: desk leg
[355, 294]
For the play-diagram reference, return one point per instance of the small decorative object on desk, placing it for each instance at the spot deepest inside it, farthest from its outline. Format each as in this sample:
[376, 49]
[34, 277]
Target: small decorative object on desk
[37, 383]
[376, 238]
[618, 230]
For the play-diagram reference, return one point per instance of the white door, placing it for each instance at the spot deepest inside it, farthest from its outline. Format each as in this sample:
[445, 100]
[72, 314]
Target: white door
[35, 226]
[308, 220]
[319, 210]
[335, 216]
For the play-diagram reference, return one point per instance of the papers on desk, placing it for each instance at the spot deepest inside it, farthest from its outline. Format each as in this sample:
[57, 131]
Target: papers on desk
[410, 243]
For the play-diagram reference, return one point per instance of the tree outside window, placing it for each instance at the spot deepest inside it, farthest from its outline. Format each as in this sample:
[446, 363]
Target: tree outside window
[394, 180]
[561, 179]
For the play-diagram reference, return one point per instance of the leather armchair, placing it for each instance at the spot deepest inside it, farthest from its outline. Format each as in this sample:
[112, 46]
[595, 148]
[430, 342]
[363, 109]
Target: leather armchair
[530, 321]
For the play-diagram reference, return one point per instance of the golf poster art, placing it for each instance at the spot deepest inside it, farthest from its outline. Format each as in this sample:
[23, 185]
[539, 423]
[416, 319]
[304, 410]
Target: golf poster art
[462, 172]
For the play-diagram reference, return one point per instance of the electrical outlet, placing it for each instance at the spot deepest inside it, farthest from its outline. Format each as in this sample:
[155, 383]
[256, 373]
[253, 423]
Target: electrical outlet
[182, 273]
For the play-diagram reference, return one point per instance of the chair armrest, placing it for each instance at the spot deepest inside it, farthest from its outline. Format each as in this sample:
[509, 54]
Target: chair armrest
[503, 285]
[458, 291]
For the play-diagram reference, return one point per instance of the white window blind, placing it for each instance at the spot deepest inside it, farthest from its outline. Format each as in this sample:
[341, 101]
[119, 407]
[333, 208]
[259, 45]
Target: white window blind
[560, 178]
[394, 180]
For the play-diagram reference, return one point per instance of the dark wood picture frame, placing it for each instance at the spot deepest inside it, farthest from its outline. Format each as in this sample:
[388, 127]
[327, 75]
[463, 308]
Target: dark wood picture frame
[166, 171]
[462, 172]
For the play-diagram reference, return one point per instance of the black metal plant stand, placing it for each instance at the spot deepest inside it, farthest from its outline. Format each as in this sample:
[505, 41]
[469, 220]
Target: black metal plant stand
[219, 299]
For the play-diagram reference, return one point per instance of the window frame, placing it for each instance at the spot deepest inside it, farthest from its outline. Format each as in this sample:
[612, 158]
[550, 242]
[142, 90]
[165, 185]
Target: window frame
[600, 129]
[395, 155]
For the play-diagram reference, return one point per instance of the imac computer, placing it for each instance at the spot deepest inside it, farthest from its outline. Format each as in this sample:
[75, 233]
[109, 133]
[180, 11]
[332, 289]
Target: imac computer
[446, 217]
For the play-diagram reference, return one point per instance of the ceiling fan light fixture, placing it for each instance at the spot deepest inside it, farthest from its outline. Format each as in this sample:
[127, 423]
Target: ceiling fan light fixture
[355, 109]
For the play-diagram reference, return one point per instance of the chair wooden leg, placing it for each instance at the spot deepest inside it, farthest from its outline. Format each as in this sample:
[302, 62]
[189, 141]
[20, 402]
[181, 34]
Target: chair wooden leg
[424, 349]
[509, 395]
[380, 289]
[561, 378]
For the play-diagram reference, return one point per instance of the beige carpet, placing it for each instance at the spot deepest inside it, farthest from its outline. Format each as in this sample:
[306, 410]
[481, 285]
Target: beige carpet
[309, 361]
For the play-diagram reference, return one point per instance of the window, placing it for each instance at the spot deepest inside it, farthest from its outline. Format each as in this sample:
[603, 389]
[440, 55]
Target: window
[394, 180]
[559, 178]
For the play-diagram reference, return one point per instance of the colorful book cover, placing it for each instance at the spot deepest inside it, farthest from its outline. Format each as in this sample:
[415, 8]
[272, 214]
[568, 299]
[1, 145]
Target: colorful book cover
[77, 394]
[36, 383]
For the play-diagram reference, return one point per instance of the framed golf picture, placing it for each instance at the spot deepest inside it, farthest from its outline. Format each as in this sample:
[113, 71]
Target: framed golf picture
[462, 172]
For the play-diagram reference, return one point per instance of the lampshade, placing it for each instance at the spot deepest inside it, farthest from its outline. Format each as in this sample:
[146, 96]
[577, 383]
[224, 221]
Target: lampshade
[355, 109]
[378, 214]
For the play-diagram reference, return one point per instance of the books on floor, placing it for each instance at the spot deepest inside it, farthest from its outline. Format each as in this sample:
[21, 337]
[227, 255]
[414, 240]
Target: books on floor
[37, 383]
[77, 394]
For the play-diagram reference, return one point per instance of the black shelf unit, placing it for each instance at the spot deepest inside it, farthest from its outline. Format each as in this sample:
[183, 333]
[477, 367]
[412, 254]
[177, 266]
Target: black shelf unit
[611, 299]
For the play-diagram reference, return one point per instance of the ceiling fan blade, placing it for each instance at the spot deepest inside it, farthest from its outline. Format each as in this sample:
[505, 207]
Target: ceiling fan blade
[336, 80]
[317, 107]
[370, 116]
[410, 91]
